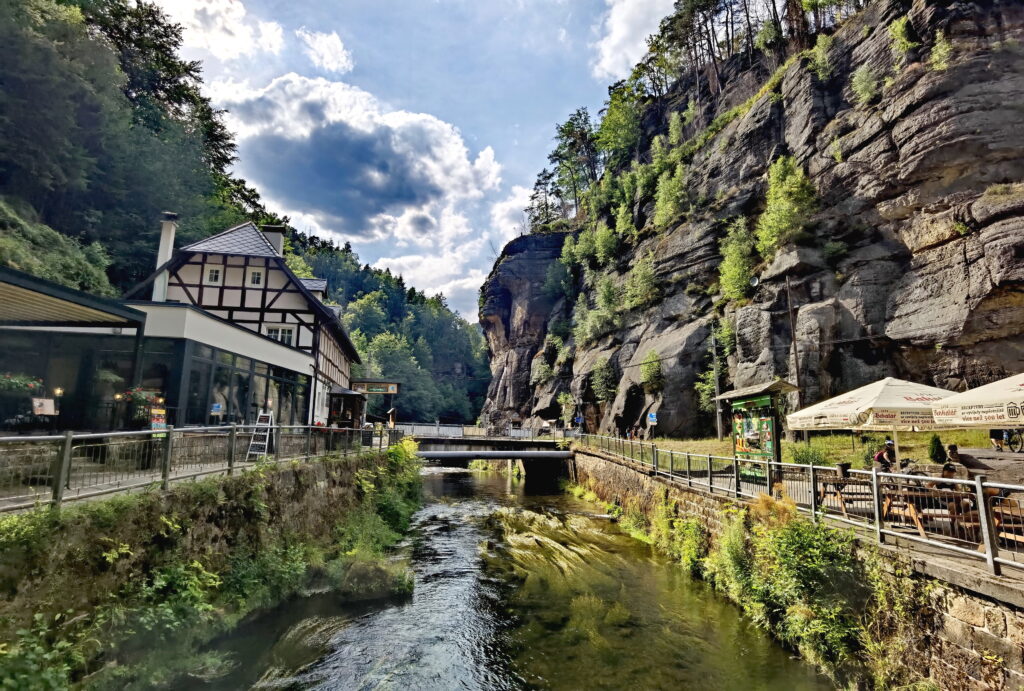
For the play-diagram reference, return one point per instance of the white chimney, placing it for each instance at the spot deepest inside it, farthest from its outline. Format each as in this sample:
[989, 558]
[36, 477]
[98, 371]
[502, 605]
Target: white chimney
[168, 226]
[275, 236]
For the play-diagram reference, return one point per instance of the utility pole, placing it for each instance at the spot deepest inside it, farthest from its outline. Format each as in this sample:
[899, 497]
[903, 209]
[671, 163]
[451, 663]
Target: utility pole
[718, 404]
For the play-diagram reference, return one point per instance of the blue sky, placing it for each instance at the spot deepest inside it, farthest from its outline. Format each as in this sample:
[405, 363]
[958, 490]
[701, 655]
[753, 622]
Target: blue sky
[410, 128]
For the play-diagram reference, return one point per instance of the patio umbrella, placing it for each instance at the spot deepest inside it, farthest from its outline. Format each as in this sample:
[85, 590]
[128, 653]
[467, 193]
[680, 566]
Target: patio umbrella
[996, 405]
[889, 405]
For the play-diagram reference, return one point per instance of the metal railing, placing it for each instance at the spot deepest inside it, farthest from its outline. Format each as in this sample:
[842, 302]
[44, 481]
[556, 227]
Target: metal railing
[969, 517]
[59, 468]
[435, 429]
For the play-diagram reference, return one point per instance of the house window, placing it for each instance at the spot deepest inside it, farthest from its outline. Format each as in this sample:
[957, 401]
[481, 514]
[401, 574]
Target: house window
[256, 277]
[284, 334]
[213, 277]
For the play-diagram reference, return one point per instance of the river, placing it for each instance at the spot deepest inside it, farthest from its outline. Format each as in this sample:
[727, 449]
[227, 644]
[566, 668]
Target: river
[516, 590]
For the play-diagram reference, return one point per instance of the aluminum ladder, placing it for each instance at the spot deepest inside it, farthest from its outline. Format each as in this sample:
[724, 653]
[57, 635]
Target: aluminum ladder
[262, 440]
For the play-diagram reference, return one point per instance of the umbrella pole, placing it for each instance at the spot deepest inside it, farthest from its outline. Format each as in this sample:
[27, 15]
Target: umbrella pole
[896, 443]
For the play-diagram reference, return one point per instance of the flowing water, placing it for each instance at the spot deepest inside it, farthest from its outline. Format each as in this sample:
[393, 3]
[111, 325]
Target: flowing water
[516, 591]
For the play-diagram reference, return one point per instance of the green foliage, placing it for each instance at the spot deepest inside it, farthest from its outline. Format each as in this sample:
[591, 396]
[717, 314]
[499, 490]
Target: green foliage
[667, 203]
[642, 287]
[675, 128]
[704, 386]
[809, 455]
[624, 227]
[725, 333]
[837, 150]
[790, 201]
[557, 281]
[619, 131]
[864, 84]
[936, 450]
[689, 115]
[540, 371]
[568, 405]
[32, 247]
[942, 53]
[737, 267]
[901, 42]
[606, 245]
[651, 376]
[603, 381]
[37, 660]
[768, 37]
[729, 564]
[590, 324]
[585, 252]
[821, 62]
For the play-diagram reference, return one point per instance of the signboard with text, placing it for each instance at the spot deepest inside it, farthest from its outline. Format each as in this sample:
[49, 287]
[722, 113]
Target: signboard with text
[379, 387]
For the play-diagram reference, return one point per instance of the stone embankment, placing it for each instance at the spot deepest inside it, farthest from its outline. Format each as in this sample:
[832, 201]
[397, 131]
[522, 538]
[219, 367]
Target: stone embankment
[975, 621]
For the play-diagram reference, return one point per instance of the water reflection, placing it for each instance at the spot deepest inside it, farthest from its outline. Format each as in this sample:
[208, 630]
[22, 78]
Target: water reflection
[536, 595]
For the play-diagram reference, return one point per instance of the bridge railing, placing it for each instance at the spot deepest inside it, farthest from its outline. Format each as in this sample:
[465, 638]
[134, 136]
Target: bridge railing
[969, 517]
[71, 466]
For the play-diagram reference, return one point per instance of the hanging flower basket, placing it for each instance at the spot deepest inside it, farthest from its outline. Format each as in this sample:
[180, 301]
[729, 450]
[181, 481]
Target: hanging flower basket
[141, 397]
[20, 383]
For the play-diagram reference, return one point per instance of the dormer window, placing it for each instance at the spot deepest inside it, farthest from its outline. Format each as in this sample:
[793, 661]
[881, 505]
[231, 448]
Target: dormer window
[213, 276]
[256, 278]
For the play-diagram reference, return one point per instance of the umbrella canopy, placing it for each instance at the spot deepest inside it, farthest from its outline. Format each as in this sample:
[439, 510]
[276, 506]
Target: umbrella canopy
[999, 404]
[887, 405]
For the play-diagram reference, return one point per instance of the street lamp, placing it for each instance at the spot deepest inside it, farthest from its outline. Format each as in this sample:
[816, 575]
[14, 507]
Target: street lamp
[58, 392]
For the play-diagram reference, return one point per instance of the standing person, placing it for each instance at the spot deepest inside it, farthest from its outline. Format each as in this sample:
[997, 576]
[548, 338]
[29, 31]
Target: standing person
[995, 436]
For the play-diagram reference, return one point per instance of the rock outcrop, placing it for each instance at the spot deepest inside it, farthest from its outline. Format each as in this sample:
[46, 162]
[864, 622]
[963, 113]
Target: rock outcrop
[914, 266]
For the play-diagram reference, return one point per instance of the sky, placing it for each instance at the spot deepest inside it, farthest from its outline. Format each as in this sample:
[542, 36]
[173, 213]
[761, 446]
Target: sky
[411, 128]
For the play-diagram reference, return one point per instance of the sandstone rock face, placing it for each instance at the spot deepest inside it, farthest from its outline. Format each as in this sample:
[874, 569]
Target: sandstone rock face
[914, 266]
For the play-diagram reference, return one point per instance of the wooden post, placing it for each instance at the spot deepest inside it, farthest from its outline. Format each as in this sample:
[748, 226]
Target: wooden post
[60, 471]
[165, 462]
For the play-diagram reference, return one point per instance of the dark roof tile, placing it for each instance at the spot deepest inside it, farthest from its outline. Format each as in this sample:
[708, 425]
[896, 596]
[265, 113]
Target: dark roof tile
[244, 239]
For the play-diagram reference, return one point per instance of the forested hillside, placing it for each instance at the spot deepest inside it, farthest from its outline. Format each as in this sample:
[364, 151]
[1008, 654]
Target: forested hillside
[103, 126]
[828, 192]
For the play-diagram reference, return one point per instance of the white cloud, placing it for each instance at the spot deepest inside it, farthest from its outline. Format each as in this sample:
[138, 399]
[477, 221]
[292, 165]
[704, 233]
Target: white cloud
[326, 51]
[507, 216]
[223, 28]
[624, 30]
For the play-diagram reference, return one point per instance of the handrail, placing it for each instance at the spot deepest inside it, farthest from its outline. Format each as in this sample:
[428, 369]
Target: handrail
[948, 519]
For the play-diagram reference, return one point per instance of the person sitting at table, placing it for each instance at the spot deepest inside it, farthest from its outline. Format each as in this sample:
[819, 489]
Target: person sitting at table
[948, 473]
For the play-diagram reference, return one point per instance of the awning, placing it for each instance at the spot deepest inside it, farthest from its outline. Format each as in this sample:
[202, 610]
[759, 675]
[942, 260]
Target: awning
[999, 404]
[886, 405]
[29, 301]
[777, 386]
[338, 390]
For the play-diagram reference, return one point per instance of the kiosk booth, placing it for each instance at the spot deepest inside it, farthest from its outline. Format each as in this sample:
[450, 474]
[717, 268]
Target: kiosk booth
[756, 423]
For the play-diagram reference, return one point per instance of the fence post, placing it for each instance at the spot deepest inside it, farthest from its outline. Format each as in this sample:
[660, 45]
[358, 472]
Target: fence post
[711, 477]
[814, 493]
[60, 470]
[876, 495]
[689, 480]
[736, 475]
[768, 478]
[232, 439]
[278, 442]
[165, 462]
[654, 458]
[988, 533]
[309, 440]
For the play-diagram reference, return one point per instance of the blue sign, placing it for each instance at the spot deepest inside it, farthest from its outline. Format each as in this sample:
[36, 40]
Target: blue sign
[579, 419]
[652, 418]
[217, 408]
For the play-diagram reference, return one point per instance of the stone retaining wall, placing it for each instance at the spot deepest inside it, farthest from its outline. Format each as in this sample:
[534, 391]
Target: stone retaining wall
[978, 641]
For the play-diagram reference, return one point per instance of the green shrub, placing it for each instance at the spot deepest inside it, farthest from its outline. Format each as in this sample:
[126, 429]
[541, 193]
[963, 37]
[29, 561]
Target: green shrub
[586, 246]
[675, 128]
[942, 53]
[603, 381]
[737, 267]
[37, 660]
[691, 544]
[836, 150]
[689, 115]
[821, 63]
[834, 251]
[650, 372]
[705, 386]
[864, 85]
[668, 196]
[568, 405]
[728, 564]
[725, 333]
[557, 281]
[641, 285]
[936, 451]
[624, 221]
[608, 295]
[540, 371]
[809, 455]
[568, 257]
[901, 43]
[606, 244]
[659, 154]
[768, 37]
[790, 202]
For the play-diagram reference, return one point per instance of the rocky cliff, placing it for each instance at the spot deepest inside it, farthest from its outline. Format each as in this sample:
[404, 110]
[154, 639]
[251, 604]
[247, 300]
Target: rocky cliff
[912, 267]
